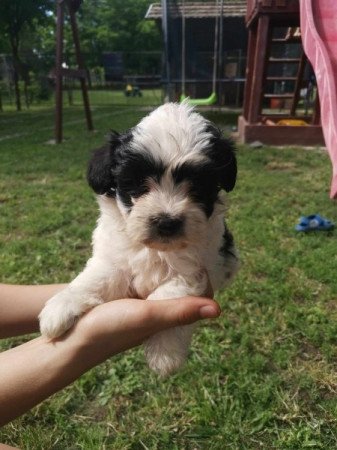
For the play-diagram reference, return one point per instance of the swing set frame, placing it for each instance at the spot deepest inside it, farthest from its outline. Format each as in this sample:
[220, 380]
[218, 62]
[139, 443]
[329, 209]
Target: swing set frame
[212, 99]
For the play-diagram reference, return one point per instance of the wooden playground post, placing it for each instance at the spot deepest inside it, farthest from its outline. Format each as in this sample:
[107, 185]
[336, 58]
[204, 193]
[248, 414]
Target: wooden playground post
[261, 51]
[80, 65]
[60, 71]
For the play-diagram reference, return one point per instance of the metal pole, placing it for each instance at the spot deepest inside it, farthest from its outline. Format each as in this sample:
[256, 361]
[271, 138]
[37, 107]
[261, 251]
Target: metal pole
[216, 38]
[221, 65]
[183, 50]
[165, 28]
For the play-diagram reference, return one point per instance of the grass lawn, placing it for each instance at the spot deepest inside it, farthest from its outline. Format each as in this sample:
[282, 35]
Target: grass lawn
[99, 97]
[263, 376]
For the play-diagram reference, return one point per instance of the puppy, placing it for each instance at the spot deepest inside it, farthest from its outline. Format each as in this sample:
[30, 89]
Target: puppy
[161, 231]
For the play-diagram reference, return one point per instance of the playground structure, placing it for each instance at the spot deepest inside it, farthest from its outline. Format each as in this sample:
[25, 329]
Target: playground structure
[204, 50]
[212, 99]
[284, 35]
[317, 43]
[277, 72]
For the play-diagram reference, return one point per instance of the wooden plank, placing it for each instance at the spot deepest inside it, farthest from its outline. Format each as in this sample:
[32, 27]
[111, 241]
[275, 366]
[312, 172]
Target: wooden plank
[281, 78]
[276, 9]
[299, 83]
[285, 60]
[280, 135]
[260, 58]
[292, 40]
[280, 116]
[278, 6]
[252, 35]
[278, 95]
[58, 72]
[250, 12]
[80, 64]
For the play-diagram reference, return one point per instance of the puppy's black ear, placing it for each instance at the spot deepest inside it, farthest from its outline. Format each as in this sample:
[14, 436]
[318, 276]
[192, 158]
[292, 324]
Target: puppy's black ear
[222, 154]
[100, 169]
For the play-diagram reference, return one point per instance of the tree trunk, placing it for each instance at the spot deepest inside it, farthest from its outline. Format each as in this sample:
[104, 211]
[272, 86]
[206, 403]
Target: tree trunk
[16, 67]
[25, 90]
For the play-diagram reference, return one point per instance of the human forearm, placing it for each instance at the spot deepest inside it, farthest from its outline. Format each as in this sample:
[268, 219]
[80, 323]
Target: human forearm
[35, 370]
[21, 305]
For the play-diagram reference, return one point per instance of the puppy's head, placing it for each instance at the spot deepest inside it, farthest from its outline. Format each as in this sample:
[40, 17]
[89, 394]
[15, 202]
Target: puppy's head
[165, 175]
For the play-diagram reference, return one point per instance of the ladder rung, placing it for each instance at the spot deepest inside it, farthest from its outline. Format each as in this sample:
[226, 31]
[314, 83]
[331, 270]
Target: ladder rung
[281, 78]
[279, 95]
[279, 115]
[284, 60]
[292, 40]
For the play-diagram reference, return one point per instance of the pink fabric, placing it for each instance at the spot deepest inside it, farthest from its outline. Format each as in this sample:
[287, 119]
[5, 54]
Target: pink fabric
[319, 37]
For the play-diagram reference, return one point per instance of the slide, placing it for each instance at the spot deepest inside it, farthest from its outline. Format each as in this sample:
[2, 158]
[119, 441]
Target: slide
[319, 37]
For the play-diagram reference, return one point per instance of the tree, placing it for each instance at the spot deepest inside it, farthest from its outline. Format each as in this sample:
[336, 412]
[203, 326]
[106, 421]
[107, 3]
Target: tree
[27, 28]
[106, 26]
[113, 25]
[16, 18]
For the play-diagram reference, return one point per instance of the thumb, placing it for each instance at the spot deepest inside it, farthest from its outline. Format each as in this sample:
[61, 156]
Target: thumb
[181, 311]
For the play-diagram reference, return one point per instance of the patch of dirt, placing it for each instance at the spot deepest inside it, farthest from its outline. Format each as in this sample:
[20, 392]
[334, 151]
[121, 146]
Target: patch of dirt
[280, 165]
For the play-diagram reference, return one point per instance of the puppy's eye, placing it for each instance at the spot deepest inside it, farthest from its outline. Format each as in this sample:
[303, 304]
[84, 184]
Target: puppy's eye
[138, 192]
[133, 187]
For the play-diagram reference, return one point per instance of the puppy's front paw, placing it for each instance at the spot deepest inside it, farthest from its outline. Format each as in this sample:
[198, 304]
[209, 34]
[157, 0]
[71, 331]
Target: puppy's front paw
[161, 361]
[167, 351]
[61, 311]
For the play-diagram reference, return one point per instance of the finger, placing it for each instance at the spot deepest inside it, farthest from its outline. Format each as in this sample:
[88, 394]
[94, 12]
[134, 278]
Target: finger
[169, 313]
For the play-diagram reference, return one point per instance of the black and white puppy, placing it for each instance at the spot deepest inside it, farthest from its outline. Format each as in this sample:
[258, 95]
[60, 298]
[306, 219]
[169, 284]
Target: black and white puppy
[161, 228]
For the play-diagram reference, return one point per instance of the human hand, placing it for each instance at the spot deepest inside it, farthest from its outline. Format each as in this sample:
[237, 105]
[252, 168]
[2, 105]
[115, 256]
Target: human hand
[33, 371]
[116, 326]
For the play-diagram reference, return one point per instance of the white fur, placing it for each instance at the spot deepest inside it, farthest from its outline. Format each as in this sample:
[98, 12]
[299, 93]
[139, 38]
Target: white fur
[126, 264]
[174, 132]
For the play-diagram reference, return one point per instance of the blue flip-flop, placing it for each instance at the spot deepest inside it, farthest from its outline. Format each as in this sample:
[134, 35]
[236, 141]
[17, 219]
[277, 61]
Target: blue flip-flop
[314, 222]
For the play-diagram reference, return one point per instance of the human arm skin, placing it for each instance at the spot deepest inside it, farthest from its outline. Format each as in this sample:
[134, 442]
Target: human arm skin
[21, 305]
[37, 369]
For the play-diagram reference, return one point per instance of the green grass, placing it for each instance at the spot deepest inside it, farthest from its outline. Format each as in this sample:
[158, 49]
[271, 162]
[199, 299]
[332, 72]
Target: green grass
[263, 376]
[98, 97]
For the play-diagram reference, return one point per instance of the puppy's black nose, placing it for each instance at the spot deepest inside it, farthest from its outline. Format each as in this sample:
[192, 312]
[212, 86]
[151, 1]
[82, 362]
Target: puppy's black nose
[167, 226]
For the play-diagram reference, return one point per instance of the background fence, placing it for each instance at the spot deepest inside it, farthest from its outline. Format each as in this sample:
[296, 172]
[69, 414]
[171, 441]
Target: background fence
[122, 78]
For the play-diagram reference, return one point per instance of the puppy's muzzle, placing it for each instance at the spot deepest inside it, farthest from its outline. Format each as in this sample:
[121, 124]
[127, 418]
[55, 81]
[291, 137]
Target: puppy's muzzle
[166, 226]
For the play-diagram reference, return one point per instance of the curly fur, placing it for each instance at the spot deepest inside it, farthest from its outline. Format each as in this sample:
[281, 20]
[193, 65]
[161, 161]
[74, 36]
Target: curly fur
[161, 226]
